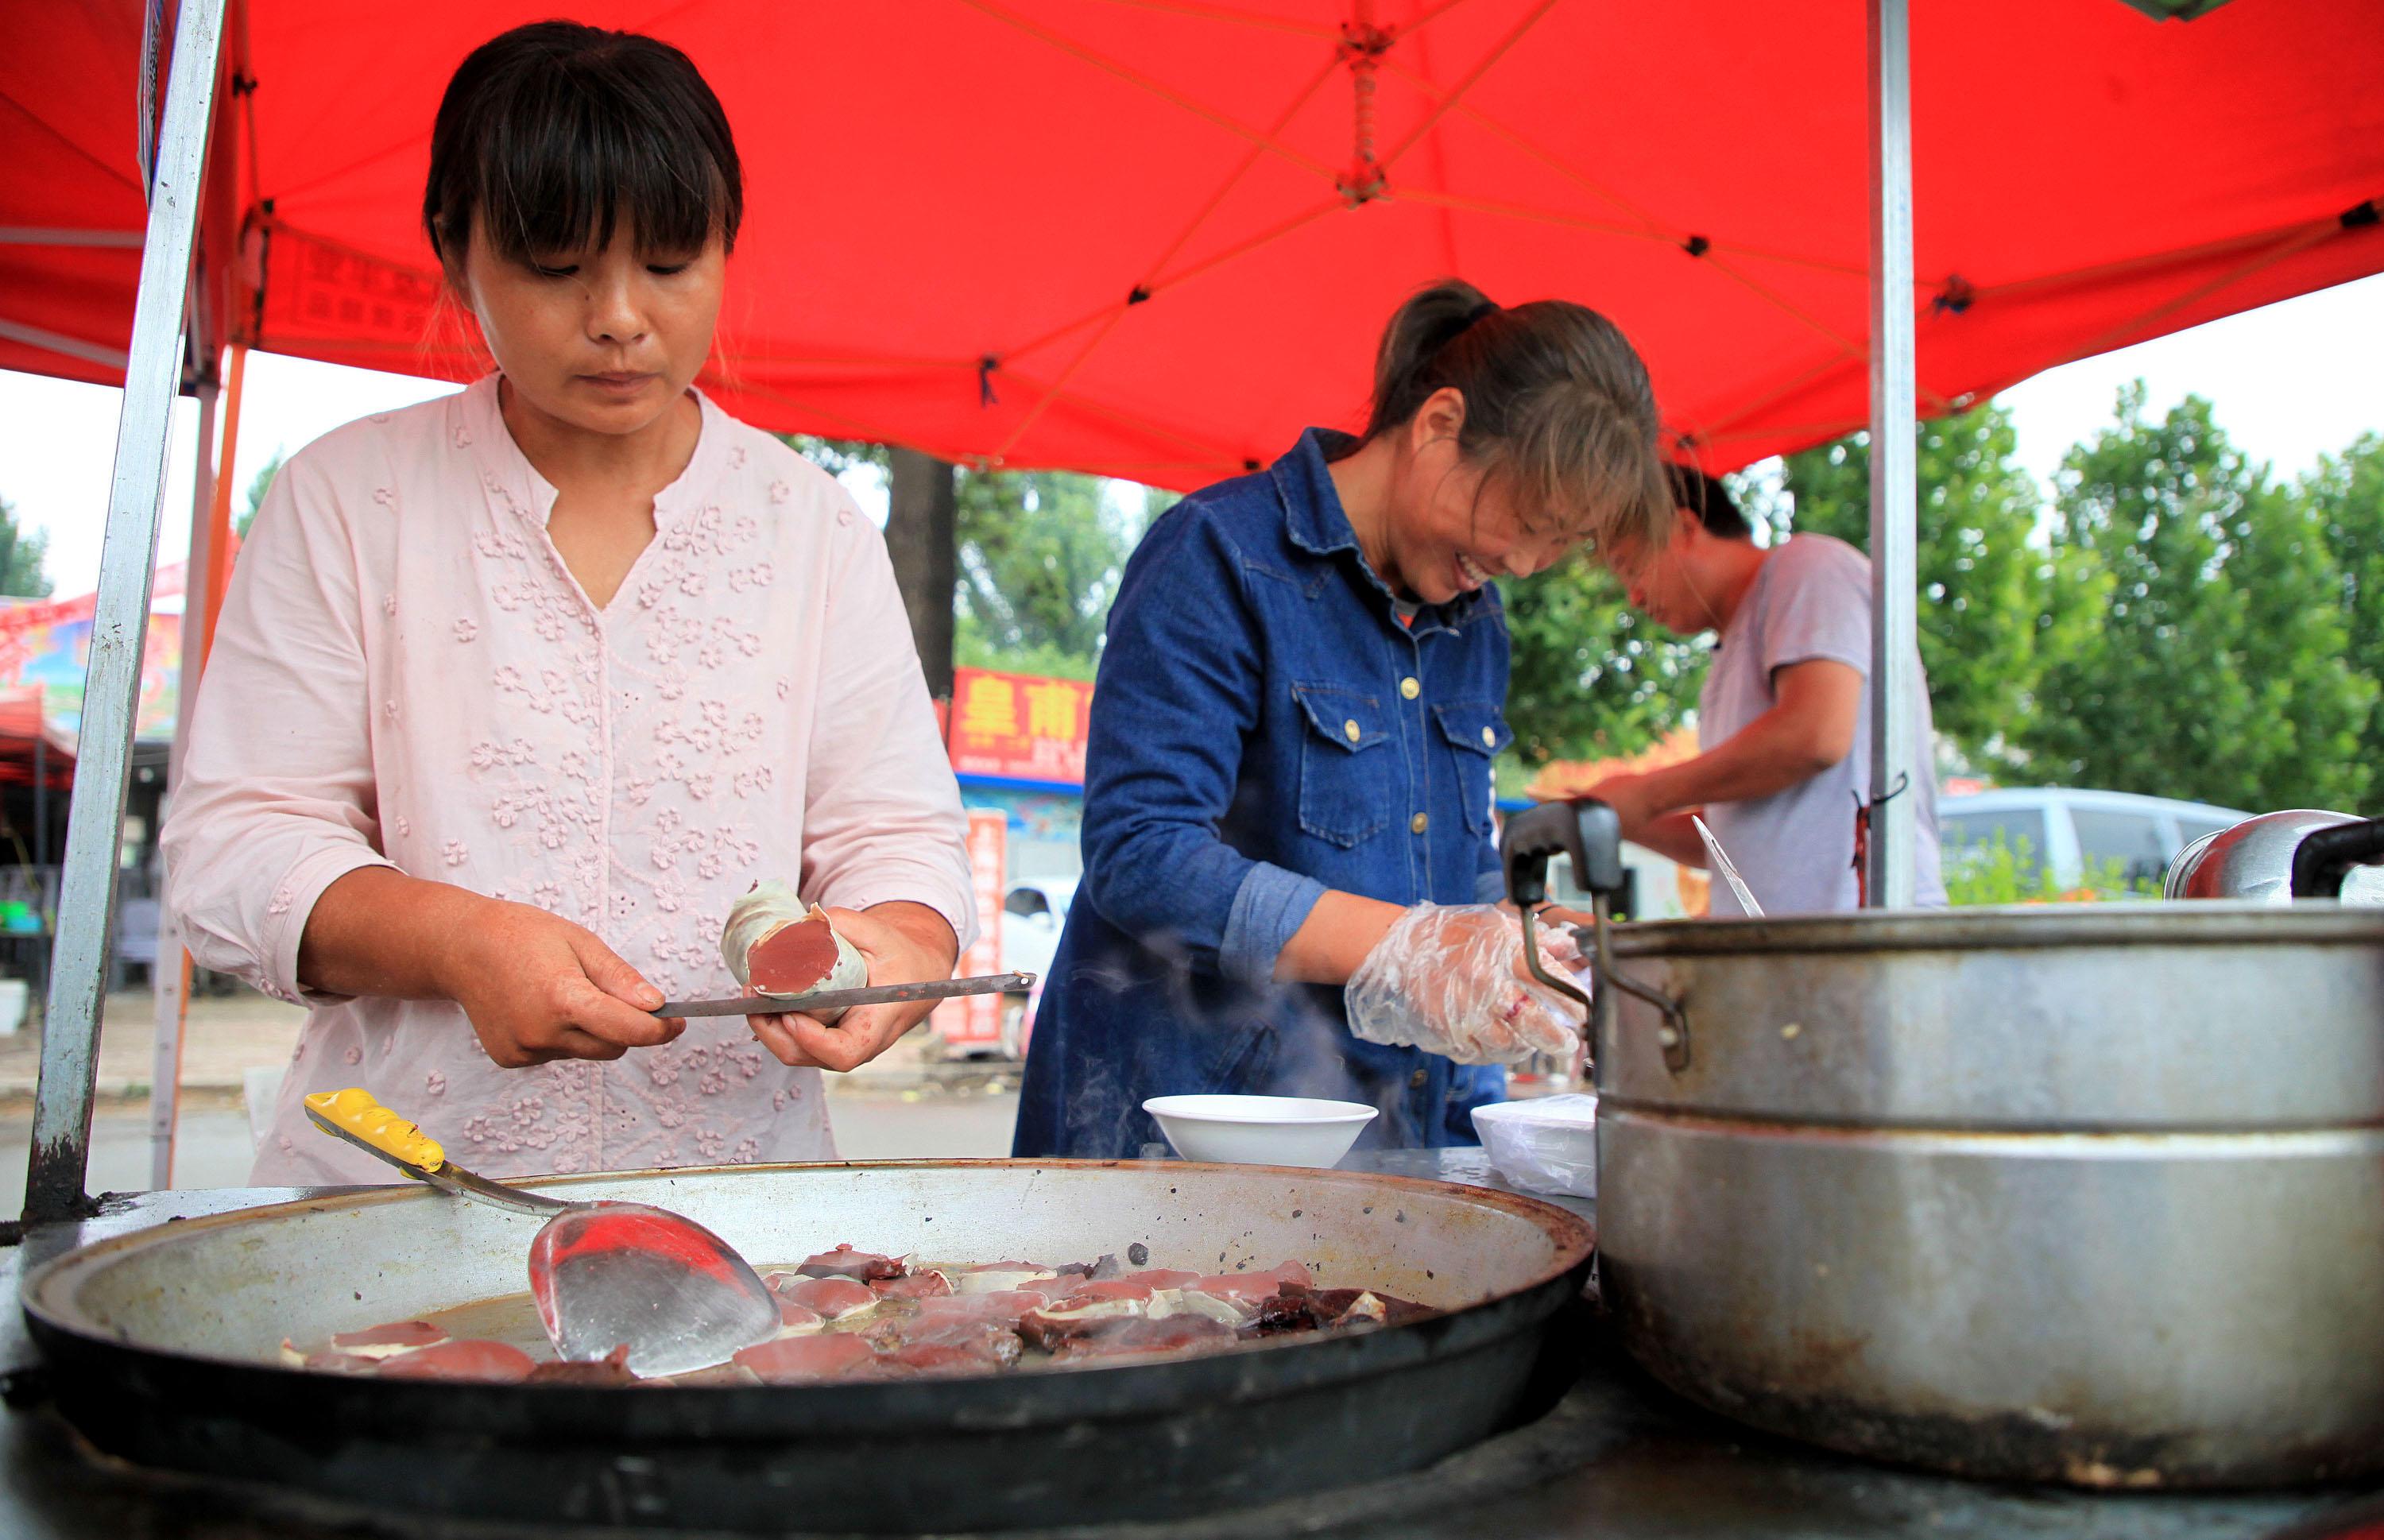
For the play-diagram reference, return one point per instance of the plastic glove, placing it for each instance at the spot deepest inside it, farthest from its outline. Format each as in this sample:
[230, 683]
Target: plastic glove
[1452, 980]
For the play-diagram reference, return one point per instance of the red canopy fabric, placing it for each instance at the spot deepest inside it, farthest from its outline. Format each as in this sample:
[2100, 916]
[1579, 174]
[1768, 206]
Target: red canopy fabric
[1142, 237]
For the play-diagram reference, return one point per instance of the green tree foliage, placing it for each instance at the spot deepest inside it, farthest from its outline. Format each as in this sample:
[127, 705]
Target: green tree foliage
[1040, 556]
[258, 485]
[1986, 593]
[2347, 496]
[22, 557]
[2214, 667]
[1040, 553]
[1589, 676]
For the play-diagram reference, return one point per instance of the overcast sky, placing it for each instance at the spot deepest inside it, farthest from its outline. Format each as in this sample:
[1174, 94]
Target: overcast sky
[2291, 382]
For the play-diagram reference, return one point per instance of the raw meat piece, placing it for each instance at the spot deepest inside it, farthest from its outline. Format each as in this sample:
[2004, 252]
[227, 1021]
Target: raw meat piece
[995, 1342]
[1077, 1317]
[1160, 1277]
[820, 1356]
[833, 1298]
[1295, 1308]
[465, 1358]
[611, 1370]
[1355, 1307]
[914, 1286]
[1148, 1338]
[1110, 1288]
[1288, 1310]
[795, 1319]
[1054, 1286]
[1005, 1308]
[1251, 1288]
[950, 1357]
[994, 1277]
[845, 1262]
[1169, 1302]
[774, 946]
[389, 1339]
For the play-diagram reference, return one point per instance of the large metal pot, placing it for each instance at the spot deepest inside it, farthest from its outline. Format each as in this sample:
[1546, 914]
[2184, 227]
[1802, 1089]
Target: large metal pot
[2262, 859]
[163, 1349]
[2083, 1194]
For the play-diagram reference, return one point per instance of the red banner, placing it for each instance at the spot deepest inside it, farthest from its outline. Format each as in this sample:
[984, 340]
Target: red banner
[1019, 726]
[975, 1020]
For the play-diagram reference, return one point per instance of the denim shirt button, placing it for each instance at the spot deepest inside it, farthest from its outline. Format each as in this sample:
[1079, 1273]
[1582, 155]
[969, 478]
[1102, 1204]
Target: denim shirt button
[1418, 1078]
[1352, 730]
[1420, 823]
[1409, 688]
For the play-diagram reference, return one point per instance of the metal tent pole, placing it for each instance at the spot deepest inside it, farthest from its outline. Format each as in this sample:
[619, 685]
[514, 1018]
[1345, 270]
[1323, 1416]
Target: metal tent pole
[170, 974]
[1894, 724]
[61, 1149]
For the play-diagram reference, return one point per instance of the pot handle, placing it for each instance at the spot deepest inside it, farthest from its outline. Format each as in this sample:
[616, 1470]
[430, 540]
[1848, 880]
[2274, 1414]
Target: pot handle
[1587, 831]
[2325, 857]
[1584, 829]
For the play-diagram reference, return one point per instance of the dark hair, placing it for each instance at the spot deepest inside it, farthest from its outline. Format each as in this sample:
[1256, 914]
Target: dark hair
[1706, 497]
[1555, 400]
[554, 132]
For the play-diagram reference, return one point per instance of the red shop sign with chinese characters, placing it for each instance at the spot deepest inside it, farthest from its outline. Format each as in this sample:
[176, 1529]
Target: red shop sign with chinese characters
[1018, 725]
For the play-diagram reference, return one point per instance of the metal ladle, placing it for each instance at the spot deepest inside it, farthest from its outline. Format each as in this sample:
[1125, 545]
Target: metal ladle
[603, 1274]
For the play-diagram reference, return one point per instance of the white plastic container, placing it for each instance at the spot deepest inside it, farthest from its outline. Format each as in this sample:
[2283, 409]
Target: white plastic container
[1261, 1130]
[1547, 1144]
[15, 994]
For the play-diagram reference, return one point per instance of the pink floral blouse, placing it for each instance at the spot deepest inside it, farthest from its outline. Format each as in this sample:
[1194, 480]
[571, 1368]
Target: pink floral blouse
[407, 675]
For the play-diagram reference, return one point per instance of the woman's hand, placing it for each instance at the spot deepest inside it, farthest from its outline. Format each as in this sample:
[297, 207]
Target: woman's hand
[535, 986]
[1452, 980]
[905, 943]
[539, 987]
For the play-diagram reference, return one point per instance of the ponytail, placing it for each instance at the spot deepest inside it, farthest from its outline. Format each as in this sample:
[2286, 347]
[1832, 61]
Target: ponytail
[1556, 402]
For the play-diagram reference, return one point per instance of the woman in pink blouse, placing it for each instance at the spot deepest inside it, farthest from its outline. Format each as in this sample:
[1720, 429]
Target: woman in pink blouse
[515, 692]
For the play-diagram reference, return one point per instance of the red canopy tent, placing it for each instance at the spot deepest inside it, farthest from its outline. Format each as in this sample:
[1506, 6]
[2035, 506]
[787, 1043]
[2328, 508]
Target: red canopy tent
[1153, 238]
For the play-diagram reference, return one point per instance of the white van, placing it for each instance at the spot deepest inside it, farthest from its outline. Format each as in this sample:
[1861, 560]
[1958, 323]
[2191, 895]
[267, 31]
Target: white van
[2062, 828]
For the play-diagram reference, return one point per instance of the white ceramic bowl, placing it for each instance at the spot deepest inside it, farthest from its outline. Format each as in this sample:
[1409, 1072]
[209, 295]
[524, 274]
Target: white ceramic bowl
[1261, 1130]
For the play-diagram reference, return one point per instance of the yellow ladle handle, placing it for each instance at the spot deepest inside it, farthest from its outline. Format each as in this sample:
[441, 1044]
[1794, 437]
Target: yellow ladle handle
[354, 1113]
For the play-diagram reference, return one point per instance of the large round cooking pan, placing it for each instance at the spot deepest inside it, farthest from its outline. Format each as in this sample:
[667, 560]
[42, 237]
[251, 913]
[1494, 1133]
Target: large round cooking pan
[164, 1349]
[2082, 1193]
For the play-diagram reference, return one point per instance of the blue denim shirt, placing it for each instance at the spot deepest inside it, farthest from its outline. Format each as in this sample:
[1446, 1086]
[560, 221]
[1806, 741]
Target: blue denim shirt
[1265, 727]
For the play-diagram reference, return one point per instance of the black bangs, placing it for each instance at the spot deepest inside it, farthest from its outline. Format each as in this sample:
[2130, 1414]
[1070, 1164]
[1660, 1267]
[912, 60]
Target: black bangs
[556, 135]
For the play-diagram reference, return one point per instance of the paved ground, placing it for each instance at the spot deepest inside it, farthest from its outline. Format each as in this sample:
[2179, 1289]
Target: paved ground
[907, 1103]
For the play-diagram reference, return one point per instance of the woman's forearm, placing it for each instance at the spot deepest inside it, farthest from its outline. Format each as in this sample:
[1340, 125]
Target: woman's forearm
[377, 931]
[1335, 938]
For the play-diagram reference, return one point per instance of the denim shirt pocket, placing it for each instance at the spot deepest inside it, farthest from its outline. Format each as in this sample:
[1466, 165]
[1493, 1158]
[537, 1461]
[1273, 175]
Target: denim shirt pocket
[1476, 730]
[1349, 775]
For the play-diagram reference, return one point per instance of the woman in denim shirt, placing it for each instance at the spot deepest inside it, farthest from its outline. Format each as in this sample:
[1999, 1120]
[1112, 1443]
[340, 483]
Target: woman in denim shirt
[1290, 872]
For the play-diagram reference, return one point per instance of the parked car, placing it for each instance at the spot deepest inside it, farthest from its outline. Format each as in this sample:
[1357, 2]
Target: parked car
[2063, 830]
[1032, 912]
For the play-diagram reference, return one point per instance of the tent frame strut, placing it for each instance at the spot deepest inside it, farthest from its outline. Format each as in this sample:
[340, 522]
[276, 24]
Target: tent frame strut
[59, 1165]
[1889, 880]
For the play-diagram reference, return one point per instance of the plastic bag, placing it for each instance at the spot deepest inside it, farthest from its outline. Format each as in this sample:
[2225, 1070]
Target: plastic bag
[1546, 1145]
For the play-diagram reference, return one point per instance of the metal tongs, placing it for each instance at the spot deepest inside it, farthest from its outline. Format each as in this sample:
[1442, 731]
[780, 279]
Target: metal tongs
[1588, 832]
[840, 1000]
[603, 1274]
